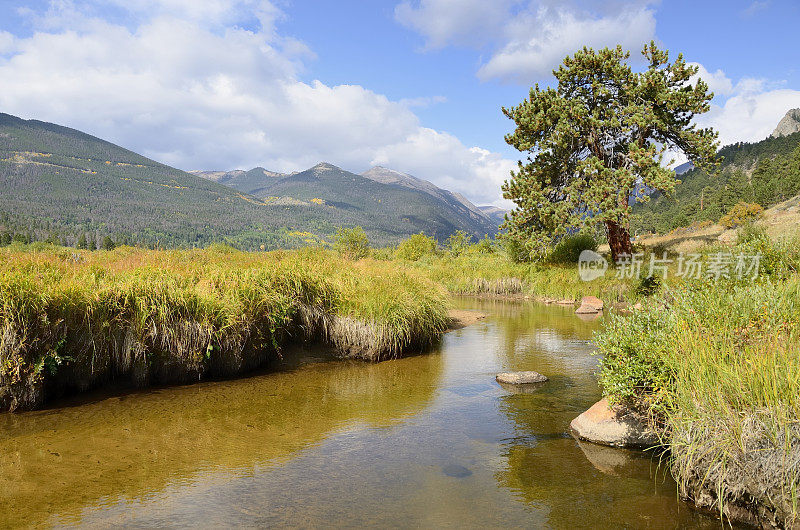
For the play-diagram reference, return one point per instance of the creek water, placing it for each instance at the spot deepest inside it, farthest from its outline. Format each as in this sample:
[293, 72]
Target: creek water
[430, 440]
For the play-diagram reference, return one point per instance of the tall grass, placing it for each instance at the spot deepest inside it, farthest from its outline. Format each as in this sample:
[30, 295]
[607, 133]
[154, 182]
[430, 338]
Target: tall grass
[497, 275]
[716, 366]
[73, 320]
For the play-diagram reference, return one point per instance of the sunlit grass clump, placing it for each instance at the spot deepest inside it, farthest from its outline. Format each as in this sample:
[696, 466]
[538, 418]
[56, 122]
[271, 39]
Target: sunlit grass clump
[72, 320]
[716, 367]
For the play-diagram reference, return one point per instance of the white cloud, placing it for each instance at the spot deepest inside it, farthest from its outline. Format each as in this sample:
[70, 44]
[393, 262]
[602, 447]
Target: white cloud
[717, 82]
[751, 113]
[529, 38]
[443, 22]
[433, 153]
[6, 42]
[539, 41]
[179, 87]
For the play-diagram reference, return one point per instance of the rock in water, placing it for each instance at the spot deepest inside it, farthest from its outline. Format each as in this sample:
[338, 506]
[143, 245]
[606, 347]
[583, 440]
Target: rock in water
[457, 471]
[614, 426]
[520, 378]
[586, 309]
[592, 301]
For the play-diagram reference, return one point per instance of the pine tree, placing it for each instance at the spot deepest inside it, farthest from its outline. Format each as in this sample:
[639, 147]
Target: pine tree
[81, 243]
[593, 139]
[108, 243]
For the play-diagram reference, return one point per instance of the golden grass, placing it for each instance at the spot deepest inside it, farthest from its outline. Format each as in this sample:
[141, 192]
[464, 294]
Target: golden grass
[71, 320]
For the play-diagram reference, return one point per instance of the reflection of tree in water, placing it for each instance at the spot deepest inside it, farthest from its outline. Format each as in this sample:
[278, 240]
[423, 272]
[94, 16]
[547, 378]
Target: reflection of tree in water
[526, 326]
[65, 460]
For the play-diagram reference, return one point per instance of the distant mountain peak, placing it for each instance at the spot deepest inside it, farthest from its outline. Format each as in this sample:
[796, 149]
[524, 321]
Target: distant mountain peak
[789, 124]
[325, 166]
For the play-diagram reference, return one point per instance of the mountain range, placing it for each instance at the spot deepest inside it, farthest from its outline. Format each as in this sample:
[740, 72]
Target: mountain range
[60, 183]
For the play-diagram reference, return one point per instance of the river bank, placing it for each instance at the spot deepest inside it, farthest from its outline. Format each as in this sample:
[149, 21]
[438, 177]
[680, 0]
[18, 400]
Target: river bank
[71, 321]
[715, 366]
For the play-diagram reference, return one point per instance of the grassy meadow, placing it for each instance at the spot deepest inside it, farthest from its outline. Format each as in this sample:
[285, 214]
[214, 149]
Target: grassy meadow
[72, 320]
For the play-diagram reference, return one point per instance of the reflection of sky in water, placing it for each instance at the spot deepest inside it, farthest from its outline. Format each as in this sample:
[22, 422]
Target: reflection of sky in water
[424, 441]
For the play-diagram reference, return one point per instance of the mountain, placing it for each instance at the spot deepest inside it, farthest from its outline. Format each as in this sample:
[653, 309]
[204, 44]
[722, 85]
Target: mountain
[789, 124]
[386, 200]
[390, 176]
[60, 183]
[498, 215]
[245, 181]
[392, 210]
[765, 172]
[683, 168]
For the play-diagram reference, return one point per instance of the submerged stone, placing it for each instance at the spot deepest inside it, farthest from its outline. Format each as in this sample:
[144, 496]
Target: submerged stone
[615, 426]
[456, 471]
[520, 378]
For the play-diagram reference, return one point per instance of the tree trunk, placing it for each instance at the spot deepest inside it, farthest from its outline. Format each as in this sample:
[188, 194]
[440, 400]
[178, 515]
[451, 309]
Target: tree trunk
[619, 239]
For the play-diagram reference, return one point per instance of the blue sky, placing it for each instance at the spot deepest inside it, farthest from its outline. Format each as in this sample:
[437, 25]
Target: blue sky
[414, 85]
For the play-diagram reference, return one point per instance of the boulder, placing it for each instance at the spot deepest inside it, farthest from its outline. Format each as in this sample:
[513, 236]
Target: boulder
[520, 378]
[592, 301]
[586, 309]
[615, 426]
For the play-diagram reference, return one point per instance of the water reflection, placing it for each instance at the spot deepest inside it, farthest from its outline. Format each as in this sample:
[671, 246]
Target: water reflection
[64, 460]
[426, 441]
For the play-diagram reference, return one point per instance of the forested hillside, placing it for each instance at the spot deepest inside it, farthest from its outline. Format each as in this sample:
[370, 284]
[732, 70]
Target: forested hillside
[765, 172]
[67, 187]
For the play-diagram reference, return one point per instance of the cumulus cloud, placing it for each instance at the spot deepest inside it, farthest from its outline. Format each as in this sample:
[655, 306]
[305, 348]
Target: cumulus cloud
[443, 22]
[529, 38]
[184, 88]
[743, 111]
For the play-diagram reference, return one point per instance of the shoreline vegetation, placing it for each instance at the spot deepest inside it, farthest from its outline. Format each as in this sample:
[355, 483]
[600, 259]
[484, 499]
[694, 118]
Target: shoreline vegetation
[714, 366]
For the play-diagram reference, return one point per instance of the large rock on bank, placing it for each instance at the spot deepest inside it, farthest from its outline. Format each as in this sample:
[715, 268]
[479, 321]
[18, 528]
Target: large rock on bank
[520, 378]
[614, 426]
[590, 305]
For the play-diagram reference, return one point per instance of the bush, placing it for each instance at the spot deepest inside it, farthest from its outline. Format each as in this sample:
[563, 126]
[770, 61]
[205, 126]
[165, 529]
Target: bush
[741, 213]
[415, 247]
[352, 242]
[458, 242]
[516, 249]
[648, 285]
[568, 250]
[484, 246]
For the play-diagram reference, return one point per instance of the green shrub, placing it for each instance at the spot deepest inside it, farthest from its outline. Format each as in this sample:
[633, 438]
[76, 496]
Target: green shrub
[352, 242]
[741, 213]
[516, 249]
[568, 250]
[485, 246]
[458, 242]
[415, 247]
[648, 285]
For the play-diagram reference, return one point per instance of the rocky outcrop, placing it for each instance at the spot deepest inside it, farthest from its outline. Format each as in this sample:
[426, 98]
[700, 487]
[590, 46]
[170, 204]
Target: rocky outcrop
[520, 378]
[788, 125]
[615, 426]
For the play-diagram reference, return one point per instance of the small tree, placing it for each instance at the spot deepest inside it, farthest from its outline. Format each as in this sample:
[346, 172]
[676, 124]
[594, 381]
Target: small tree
[81, 242]
[91, 243]
[597, 138]
[458, 242]
[352, 242]
[415, 247]
[108, 243]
